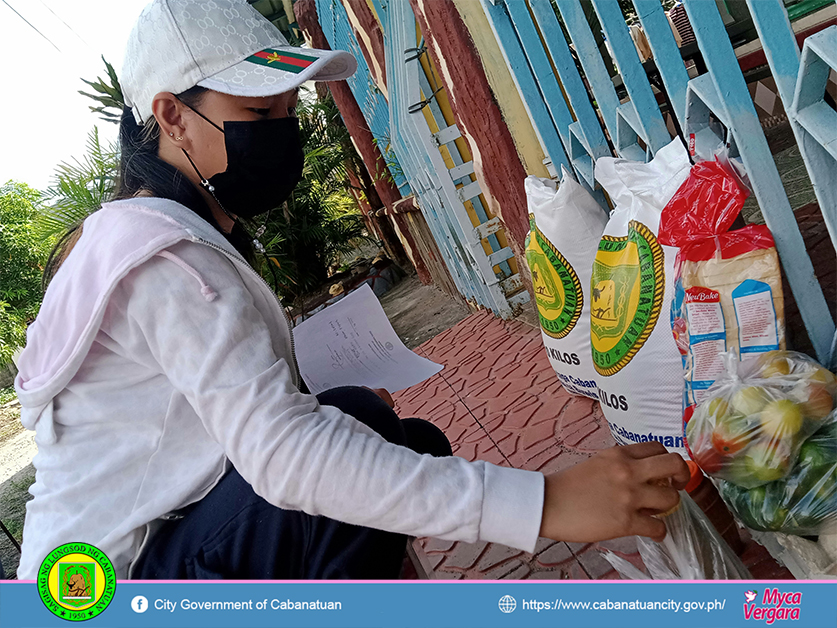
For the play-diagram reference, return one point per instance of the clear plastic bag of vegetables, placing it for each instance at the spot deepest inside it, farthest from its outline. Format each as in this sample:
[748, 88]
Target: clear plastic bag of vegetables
[692, 550]
[804, 501]
[750, 426]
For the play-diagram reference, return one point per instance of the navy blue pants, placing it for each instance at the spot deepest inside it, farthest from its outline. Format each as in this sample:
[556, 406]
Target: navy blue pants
[232, 533]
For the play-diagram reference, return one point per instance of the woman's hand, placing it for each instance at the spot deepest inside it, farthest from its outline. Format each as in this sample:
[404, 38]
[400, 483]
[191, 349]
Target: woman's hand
[614, 494]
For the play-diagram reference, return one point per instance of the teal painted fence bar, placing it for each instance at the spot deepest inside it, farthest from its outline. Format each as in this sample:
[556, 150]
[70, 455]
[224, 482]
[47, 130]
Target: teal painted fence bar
[539, 62]
[783, 55]
[666, 54]
[591, 61]
[524, 77]
[577, 93]
[519, 40]
[651, 126]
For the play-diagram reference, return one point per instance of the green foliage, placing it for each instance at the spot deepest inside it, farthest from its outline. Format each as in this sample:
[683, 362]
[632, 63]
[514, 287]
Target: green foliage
[79, 187]
[281, 15]
[22, 256]
[321, 220]
[393, 167]
[108, 95]
[7, 395]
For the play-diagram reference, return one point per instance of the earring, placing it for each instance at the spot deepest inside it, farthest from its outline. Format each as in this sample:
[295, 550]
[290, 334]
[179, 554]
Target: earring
[171, 134]
[178, 138]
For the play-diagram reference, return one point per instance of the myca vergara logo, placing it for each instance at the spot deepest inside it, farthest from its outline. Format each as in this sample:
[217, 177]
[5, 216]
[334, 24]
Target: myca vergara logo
[557, 288]
[76, 581]
[773, 606]
[626, 296]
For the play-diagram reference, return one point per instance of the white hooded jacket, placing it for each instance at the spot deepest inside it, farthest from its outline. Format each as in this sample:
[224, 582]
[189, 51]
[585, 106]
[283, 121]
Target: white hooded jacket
[160, 359]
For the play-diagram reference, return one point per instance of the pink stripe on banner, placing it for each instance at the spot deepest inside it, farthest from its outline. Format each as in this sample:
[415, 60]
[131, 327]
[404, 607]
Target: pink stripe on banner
[407, 582]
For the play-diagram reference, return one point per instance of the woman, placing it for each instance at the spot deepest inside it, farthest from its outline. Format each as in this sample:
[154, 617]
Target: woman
[160, 375]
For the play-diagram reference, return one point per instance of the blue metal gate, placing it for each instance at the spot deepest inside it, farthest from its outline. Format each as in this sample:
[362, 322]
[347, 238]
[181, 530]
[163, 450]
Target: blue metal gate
[484, 278]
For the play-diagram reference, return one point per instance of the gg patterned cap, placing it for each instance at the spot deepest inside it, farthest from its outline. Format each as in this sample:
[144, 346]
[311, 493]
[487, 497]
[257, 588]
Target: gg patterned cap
[223, 45]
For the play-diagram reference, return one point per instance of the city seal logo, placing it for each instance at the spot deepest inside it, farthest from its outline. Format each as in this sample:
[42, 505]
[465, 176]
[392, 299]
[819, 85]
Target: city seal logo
[626, 296]
[76, 581]
[557, 288]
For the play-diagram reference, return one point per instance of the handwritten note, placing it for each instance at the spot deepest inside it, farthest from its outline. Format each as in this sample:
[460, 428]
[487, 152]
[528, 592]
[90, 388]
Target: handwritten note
[352, 343]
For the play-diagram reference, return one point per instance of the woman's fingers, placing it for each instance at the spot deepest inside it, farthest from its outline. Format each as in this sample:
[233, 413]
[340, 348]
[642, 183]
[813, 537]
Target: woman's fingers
[663, 466]
[614, 493]
[653, 528]
[644, 450]
[656, 498]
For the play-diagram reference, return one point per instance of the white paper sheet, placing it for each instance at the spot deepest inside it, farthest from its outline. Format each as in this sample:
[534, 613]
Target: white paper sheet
[352, 343]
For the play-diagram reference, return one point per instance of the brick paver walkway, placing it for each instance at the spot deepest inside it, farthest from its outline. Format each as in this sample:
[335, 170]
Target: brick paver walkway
[498, 399]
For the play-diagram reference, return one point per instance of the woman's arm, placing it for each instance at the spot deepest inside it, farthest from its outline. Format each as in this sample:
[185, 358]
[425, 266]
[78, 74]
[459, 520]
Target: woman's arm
[300, 455]
[295, 453]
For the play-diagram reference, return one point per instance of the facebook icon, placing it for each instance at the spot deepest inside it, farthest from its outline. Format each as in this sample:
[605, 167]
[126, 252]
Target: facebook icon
[139, 604]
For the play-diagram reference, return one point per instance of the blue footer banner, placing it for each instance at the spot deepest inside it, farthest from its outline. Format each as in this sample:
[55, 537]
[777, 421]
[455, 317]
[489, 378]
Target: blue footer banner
[501, 604]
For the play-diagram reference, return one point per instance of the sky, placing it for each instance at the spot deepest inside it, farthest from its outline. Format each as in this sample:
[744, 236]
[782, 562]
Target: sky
[45, 121]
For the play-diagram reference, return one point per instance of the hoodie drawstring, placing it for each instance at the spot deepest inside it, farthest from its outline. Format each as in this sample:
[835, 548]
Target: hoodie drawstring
[206, 290]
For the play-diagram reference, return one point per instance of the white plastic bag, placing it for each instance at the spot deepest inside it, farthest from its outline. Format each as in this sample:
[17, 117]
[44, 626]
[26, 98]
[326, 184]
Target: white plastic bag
[752, 424]
[566, 223]
[640, 376]
[692, 550]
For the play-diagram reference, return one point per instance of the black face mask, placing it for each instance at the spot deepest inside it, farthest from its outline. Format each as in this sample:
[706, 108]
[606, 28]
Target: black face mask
[264, 164]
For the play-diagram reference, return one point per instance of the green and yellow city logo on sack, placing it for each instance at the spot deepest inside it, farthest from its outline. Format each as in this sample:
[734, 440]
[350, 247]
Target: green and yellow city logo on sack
[557, 288]
[627, 289]
[76, 581]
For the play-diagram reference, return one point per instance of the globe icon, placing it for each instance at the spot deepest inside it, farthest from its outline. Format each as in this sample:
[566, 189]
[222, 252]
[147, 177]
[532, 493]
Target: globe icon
[507, 604]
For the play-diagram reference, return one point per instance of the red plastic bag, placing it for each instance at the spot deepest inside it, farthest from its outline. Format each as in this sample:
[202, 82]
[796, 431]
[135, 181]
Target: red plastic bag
[727, 285]
[727, 245]
[705, 205]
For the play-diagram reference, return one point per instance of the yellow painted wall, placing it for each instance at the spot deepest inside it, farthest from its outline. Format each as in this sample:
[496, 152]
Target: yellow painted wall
[501, 82]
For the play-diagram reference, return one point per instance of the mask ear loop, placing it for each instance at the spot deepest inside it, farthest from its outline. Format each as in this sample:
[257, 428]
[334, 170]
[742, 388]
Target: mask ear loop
[204, 181]
[211, 189]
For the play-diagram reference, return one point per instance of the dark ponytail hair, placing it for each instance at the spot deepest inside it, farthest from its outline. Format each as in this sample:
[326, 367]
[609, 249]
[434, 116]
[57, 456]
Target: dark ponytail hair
[142, 170]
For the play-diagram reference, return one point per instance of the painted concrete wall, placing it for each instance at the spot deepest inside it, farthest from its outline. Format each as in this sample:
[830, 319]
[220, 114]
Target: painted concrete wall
[502, 85]
[367, 29]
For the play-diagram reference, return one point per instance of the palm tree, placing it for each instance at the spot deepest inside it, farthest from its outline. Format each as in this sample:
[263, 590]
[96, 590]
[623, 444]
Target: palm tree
[321, 221]
[79, 187]
[108, 95]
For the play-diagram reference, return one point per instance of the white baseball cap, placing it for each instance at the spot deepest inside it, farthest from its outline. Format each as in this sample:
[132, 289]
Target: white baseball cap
[223, 45]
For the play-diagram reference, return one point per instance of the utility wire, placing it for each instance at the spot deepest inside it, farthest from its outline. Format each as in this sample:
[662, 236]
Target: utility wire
[31, 25]
[48, 8]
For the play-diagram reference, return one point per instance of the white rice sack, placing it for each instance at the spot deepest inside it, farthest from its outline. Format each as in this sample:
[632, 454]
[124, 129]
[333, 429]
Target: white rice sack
[638, 366]
[566, 224]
